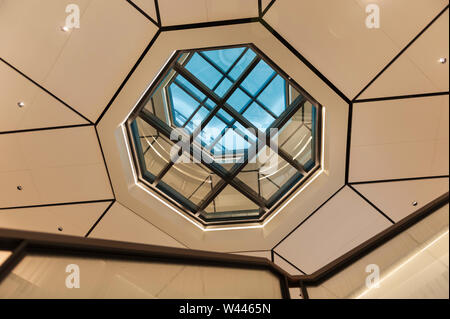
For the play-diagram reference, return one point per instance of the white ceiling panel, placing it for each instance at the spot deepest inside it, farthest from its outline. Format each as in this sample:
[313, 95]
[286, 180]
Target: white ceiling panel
[333, 36]
[30, 34]
[148, 6]
[52, 166]
[120, 223]
[175, 12]
[40, 109]
[98, 56]
[73, 220]
[283, 264]
[418, 69]
[84, 67]
[343, 223]
[399, 139]
[396, 199]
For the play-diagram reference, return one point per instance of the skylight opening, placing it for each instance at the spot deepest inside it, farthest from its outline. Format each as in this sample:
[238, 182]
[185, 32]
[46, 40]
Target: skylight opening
[225, 135]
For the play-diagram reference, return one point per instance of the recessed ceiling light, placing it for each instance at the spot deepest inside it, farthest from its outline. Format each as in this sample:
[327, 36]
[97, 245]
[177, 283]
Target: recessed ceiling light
[20, 104]
[19, 187]
[65, 28]
[442, 60]
[414, 203]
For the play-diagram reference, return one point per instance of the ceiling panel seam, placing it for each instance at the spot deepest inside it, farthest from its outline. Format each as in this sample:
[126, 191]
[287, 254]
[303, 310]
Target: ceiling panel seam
[372, 204]
[104, 162]
[308, 217]
[45, 90]
[45, 128]
[58, 204]
[399, 97]
[349, 141]
[141, 57]
[290, 263]
[143, 13]
[267, 8]
[402, 51]
[99, 219]
[399, 179]
[145, 220]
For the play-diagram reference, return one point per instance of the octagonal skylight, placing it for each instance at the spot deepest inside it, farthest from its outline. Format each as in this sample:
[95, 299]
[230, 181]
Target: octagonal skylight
[224, 134]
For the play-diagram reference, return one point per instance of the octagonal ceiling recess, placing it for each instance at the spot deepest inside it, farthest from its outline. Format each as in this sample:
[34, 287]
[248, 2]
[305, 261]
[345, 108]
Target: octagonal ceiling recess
[147, 203]
[225, 134]
[385, 163]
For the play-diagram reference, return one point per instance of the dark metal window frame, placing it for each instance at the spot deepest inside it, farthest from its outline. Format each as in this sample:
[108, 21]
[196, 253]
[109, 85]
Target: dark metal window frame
[266, 206]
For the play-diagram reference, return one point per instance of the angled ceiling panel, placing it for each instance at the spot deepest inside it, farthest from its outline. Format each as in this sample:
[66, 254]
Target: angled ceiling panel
[52, 166]
[120, 223]
[83, 67]
[73, 220]
[343, 223]
[148, 6]
[396, 199]
[195, 11]
[283, 264]
[40, 110]
[332, 35]
[98, 56]
[264, 4]
[418, 69]
[399, 139]
[30, 34]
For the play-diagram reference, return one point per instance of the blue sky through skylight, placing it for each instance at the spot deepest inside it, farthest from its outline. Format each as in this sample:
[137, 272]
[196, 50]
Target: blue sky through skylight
[260, 97]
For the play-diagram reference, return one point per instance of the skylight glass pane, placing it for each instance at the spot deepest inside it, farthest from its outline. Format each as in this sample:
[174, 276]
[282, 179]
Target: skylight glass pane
[238, 100]
[230, 141]
[211, 131]
[258, 117]
[231, 202]
[156, 154]
[203, 71]
[240, 67]
[223, 87]
[296, 137]
[258, 77]
[192, 181]
[182, 82]
[224, 58]
[273, 173]
[274, 96]
[197, 119]
[224, 116]
[183, 105]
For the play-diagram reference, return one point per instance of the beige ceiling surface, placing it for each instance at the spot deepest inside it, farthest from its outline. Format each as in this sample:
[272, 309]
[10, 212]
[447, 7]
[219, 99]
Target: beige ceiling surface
[193, 11]
[341, 224]
[84, 68]
[118, 222]
[399, 139]
[333, 36]
[52, 166]
[396, 199]
[40, 109]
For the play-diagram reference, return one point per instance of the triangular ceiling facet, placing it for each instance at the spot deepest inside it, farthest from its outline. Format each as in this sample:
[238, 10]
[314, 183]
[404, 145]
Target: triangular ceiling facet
[40, 109]
[396, 198]
[418, 69]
